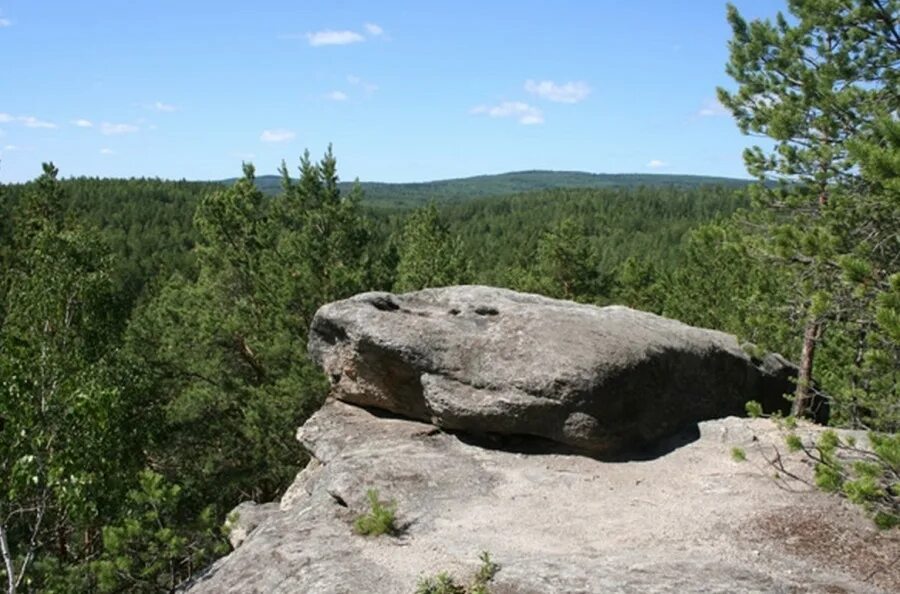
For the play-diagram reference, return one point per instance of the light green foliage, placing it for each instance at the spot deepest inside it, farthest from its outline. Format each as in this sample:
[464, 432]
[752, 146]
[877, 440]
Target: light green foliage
[793, 442]
[429, 256]
[444, 583]
[866, 477]
[754, 409]
[153, 547]
[379, 519]
[738, 454]
[67, 419]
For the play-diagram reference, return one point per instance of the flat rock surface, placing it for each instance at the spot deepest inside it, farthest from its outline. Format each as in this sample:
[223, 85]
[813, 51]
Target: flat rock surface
[689, 519]
[486, 360]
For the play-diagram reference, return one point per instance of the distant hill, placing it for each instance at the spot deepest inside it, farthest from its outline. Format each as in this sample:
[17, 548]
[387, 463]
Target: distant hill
[461, 189]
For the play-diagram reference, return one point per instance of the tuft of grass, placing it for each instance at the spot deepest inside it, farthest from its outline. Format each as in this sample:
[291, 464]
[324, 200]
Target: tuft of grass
[444, 583]
[738, 454]
[380, 519]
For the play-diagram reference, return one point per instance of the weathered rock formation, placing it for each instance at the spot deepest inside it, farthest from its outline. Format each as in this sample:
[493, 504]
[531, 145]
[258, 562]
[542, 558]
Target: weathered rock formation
[506, 371]
[485, 360]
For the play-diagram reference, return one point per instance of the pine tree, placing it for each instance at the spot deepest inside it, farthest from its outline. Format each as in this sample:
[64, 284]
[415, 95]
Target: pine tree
[429, 256]
[814, 84]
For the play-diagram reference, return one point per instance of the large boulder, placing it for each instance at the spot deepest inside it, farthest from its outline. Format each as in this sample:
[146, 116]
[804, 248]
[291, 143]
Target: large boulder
[486, 360]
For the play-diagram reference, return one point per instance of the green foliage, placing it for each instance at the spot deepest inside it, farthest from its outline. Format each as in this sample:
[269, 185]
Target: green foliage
[444, 583]
[453, 191]
[754, 409]
[868, 478]
[70, 420]
[379, 519]
[567, 266]
[428, 255]
[738, 454]
[153, 547]
[823, 86]
[793, 442]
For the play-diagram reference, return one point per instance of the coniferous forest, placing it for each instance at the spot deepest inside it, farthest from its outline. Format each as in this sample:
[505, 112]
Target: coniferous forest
[153, 333]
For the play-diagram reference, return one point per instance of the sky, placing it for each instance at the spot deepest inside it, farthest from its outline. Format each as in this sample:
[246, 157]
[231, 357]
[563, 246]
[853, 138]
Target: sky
[405, 91]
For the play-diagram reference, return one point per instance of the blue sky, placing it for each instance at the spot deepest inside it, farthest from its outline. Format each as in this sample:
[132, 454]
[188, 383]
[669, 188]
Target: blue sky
[406, 91]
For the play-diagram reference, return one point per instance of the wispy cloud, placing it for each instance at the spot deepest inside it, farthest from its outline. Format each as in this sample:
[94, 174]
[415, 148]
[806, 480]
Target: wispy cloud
[107, 151]
[336, 96]
[373, 29]
[366, 86]
[27, 121]
[340, 37]
[83, 123]
[161, 107]
[110, 129]
[10, 148]
[712, 108]
[329, 37]
[33, 122]
[524, 113]
[5, 23]
[570, 92]
[277, 135]
[657, 164]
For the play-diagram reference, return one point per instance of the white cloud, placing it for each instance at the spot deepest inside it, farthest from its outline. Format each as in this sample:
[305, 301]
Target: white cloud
[524, 113]
[107, 151]
[336, 96]
[82, 123]
[109, 129]
[33, 122]
[277, 135]
[27, 121]
[712, 108]
[657, 164]
[373, 29]
[364, 85]
[163, 107]
[9, 148]
[5, 23]
[329, 37]
[570, 92]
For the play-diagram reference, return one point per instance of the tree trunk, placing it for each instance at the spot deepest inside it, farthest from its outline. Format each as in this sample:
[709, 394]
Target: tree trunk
[7, 562]
[803, 394]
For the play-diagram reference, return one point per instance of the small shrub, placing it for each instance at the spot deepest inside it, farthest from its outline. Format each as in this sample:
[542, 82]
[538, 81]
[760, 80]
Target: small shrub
[868, 477]
[444, 583]
[754, 409]
[380, 518]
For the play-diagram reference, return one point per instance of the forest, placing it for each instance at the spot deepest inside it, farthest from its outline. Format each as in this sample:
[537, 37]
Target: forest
[153, 333]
